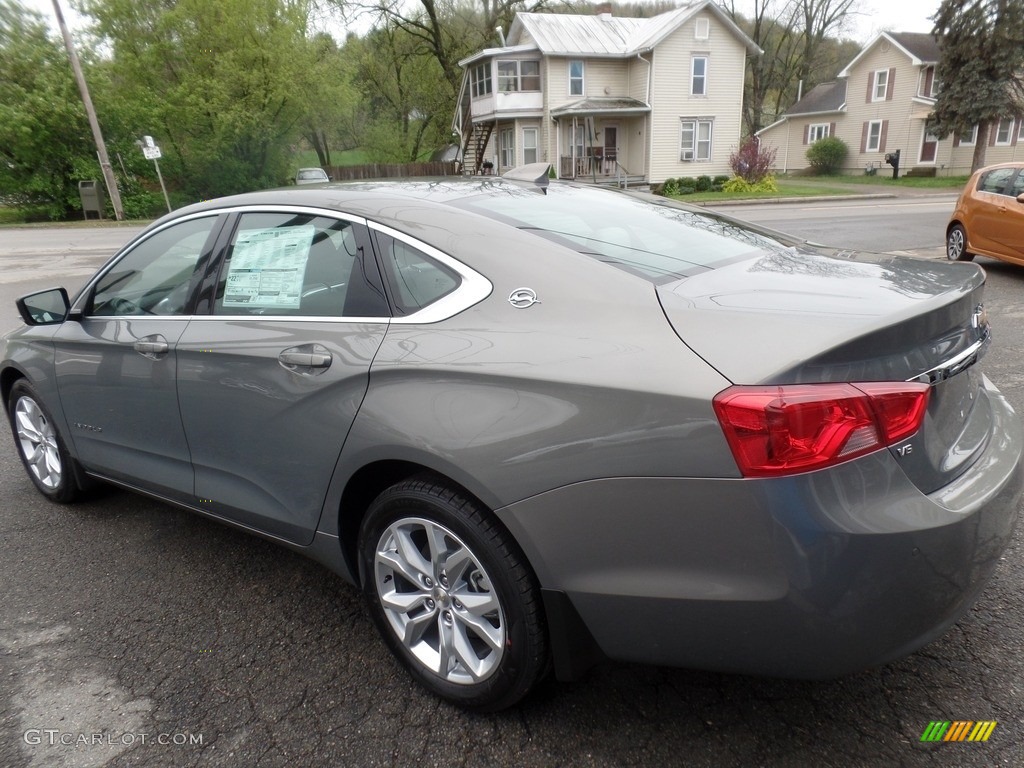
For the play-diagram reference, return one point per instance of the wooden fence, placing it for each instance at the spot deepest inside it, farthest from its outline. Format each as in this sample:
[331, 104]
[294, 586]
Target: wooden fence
[392, 170]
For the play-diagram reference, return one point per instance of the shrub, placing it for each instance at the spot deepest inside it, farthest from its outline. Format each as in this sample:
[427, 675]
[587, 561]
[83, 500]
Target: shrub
[669, 187]
[737, 184]
[827, 155]
[719, 180]
[752, 162]
[703, 184]
[686, 189]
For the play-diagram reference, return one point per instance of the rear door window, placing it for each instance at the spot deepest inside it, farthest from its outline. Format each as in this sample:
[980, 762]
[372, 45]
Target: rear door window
[299, 265]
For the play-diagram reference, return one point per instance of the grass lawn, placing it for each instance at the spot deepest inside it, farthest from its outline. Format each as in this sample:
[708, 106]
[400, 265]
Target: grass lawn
[308, 159]
[811, 186]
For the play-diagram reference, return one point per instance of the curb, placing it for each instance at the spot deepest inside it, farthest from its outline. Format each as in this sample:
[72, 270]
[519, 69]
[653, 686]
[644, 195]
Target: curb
[780, 200]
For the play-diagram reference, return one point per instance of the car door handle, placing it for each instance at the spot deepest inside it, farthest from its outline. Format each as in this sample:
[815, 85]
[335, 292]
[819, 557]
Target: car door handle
[305, 359]
[152, 347]
[306, 356]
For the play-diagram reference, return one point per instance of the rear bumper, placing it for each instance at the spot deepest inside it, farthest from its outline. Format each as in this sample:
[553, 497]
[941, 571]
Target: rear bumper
[811, 576]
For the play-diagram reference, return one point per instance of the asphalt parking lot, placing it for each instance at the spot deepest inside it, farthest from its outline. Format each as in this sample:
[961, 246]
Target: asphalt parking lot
[133, 634]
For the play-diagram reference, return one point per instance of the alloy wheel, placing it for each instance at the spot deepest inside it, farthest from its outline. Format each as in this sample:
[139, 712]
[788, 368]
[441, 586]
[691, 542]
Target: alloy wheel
[438, 600]
[38, 443]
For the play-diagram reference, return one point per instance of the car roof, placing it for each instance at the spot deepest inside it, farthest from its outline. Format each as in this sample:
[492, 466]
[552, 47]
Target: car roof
[370, 198]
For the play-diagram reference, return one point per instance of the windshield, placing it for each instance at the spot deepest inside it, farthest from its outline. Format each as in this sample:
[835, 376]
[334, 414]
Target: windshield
[659, 241]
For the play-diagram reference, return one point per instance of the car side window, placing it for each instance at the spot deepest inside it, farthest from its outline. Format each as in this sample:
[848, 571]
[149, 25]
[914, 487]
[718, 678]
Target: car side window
[295, 264]
[155, 277]
[1017, 188]
[995, 181]
[415, 279]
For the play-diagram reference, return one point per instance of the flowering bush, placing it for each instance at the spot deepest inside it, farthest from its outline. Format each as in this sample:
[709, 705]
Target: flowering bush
[752, 162]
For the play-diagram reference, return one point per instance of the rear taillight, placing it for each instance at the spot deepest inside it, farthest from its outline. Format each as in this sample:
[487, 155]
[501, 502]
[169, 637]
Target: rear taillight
[781, 430]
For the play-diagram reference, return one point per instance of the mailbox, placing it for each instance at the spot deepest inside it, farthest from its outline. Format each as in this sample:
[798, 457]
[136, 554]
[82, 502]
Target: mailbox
[893, 159]
[92, 198]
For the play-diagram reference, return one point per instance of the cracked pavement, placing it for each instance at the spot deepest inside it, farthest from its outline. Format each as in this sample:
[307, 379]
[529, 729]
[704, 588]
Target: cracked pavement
[127, 618]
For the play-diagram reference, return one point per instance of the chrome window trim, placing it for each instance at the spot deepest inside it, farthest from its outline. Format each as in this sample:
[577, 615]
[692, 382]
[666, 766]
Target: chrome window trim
[215, 212]
[472, 289]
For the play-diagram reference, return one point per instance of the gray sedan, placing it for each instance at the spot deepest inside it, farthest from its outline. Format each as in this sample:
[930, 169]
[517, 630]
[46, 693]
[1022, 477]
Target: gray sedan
[542, 425]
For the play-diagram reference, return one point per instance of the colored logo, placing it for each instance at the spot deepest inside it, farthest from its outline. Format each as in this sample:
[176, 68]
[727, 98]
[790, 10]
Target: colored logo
[958, 730]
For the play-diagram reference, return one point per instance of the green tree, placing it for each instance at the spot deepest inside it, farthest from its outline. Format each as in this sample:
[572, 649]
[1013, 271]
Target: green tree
[980, 68]
[405, 93]
[334, 116]
[45, 143]
[227, 85]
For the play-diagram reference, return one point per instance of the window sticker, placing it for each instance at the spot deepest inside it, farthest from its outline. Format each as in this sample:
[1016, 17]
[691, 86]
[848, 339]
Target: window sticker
[268, 266]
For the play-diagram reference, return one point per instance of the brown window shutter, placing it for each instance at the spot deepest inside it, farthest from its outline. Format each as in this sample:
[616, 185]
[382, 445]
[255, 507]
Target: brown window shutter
[881, 138]
[831, 129]
[890, 84]
[993, 129]
[807, 133]
[929, 78]
[871, 86]
[1014, 132]
[956, 139]
[864, 139]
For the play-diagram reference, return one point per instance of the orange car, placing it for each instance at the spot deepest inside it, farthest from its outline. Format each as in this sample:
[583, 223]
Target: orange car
[989, 216]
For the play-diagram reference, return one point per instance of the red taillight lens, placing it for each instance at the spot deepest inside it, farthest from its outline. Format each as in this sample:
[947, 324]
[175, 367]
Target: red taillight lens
[782, 430]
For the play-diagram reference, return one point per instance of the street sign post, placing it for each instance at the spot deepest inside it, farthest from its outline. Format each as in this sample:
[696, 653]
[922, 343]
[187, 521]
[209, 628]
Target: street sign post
[152, 152]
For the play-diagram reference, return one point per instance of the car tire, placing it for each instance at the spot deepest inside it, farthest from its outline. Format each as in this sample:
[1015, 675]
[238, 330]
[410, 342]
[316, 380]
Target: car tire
[40, 446]
[956, 244]
[452, 595]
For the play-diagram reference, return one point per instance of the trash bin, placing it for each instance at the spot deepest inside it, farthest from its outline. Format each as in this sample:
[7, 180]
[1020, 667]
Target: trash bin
[92, 198]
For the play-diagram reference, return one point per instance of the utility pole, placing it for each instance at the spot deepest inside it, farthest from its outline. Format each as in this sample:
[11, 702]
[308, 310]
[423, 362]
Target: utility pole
[97, 135]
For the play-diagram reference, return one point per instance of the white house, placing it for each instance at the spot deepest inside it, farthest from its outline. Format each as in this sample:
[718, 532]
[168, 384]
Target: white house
[605, 97]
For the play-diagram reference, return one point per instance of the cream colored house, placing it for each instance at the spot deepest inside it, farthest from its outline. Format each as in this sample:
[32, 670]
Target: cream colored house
[604, 97]
[880, 103]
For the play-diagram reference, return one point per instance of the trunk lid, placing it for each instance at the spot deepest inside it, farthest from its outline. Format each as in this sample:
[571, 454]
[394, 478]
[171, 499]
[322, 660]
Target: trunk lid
[799, 316]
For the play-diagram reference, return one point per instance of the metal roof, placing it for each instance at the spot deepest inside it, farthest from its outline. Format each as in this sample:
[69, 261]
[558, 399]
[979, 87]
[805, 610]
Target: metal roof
[563, 34]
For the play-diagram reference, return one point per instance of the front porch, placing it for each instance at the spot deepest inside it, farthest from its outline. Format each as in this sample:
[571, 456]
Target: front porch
[602, 140]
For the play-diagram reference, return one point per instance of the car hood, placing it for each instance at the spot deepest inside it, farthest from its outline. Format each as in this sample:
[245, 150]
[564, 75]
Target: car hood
[799, 315]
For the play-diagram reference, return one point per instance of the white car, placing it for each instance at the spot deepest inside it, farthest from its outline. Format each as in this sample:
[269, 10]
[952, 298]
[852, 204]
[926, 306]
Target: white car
[311, 176]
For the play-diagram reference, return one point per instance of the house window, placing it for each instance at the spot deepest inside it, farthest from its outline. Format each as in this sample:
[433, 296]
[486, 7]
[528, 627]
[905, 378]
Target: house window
[929, 85]
[969, 140]
[874, 142]
[529, 75]
[817, 131]
[699, 76]
[507, 147]
[1004, 132]
[881, 85]
[1020, 130]
[480, 77]
[702, 28]
[575, 78]
[695, 142]
[508, 76]
[529, 145]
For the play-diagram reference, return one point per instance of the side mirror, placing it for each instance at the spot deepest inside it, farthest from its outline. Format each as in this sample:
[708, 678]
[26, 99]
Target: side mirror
[1020, 197]
[48, 307]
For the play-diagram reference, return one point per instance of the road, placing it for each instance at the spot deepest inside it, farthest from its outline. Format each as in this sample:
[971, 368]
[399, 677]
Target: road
[905, 224]
[123, 615]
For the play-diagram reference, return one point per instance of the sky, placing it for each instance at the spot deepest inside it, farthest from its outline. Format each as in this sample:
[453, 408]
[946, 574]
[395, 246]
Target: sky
[874, 16]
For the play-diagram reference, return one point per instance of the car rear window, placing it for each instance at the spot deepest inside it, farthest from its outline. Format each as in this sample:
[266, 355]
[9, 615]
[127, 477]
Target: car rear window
[659, 241]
